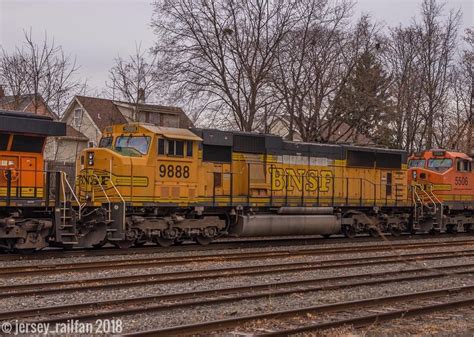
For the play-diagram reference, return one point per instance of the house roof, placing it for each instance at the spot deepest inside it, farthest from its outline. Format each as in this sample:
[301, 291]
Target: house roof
[105, 112]
[22, 102]
[102, 111]
[345, 134]
[184, 121]
[74, 134]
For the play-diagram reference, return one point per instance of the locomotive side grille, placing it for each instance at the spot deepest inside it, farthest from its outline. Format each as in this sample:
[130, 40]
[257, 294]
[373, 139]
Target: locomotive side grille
[359, 158]
[388, 160]
[216, 153]
[249, 144]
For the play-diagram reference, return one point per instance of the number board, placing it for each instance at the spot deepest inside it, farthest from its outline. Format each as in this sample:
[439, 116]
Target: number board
[174, 171]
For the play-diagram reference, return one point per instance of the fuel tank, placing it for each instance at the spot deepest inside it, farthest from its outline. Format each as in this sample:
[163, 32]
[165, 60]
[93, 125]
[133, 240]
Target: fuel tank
[281, 225]
[305, 210]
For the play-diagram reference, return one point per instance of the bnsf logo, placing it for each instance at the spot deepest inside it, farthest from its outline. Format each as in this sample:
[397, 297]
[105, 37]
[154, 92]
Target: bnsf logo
[92, 180]
[299, 179]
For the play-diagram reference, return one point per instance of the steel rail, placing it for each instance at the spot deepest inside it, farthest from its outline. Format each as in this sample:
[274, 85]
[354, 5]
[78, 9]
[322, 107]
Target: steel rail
[206, 297]
[212, 326]
[366, 320]
[207, 274]
[221, 244]
[157, 261]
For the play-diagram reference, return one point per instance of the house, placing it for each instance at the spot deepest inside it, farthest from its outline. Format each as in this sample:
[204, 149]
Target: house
[58, 150]
[63, 150]
[26, 103]
[342, 134]
[90, 115]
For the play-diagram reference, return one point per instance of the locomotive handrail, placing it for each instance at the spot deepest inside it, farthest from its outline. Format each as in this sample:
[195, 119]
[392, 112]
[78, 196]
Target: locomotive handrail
[72, 193]
[429, 197]
[64, 199]
[105, 194]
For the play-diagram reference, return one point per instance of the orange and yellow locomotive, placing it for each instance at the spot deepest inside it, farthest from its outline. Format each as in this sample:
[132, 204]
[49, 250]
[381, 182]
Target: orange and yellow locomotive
[442, 185]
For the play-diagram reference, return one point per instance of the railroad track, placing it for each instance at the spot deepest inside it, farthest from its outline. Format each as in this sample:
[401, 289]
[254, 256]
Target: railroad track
[216, 245]
[227, 295]
[44, 269]
[218, 273]
[463, 297]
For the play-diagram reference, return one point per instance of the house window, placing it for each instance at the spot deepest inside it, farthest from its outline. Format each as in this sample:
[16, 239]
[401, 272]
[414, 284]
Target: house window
[77, 118]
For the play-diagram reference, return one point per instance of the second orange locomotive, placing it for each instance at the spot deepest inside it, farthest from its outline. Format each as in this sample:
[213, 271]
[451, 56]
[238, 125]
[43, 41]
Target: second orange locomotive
[442, 185]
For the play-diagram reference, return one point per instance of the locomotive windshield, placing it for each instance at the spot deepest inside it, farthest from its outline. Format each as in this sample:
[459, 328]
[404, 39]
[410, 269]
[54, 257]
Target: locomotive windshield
[439, 164]
[417, 163]
[106, 142]
[132, 145]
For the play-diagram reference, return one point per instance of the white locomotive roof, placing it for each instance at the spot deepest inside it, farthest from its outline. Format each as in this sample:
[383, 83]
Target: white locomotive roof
[171, 132]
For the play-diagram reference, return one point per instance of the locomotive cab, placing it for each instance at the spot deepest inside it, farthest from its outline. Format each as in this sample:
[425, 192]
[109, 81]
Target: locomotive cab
[446, 173]
[22, 142]
[139, 164]
[443, 189]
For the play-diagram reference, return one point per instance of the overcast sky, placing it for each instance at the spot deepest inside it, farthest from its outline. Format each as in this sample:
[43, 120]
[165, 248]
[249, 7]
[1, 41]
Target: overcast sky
[96, 31]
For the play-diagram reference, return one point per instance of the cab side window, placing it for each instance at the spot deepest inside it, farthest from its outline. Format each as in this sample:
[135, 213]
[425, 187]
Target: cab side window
[161, 146]
[463, 165]
[189, 148]
[173, 147]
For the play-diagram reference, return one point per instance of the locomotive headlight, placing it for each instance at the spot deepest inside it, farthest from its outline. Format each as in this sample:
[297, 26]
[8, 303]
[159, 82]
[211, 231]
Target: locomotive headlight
[90, 158]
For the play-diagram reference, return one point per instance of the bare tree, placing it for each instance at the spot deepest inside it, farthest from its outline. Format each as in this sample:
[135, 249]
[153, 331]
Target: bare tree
[224, 50]
[329, 122]
[401, 59]
[133, 80]
[463, 95]
[41, 69]
[307, 64]
[437, 44]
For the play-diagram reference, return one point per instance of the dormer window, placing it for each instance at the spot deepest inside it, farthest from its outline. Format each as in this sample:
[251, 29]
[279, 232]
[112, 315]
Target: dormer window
[77, 118]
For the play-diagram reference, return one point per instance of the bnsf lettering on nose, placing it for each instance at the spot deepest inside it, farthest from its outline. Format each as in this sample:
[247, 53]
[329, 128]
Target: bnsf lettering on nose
[91, 180]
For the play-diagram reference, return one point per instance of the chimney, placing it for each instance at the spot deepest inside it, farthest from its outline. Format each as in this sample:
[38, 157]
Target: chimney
[2, 91]
[141, 95]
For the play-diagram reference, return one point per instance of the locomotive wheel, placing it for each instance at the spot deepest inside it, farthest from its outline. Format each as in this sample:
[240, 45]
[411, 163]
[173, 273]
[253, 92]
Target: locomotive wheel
[451, 229]
[349, 232]
[139, 243]
[203, 240]
[468, 228]
[178, 242]
[123, 244]
[100, 244]
[140, 238]
[373, 232]
[434, 231]
[395, 231]
[163, 242]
